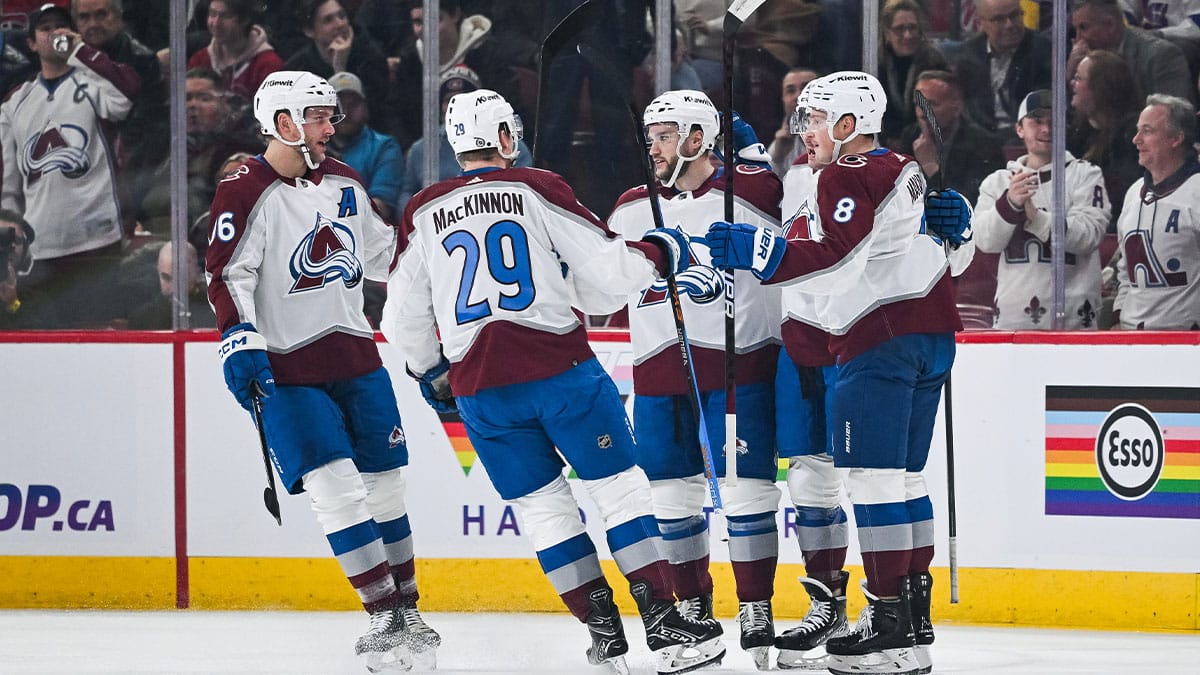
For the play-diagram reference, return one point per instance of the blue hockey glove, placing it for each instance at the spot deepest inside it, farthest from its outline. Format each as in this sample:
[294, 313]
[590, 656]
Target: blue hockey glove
[948, 216]
[701, 282]
[435, 387]
[746, 148]
[674, 245]
[745, 247]
[244, 356]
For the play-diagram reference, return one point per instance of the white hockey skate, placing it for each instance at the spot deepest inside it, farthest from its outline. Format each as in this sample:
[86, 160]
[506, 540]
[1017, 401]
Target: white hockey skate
[803, 647]
[758, 631]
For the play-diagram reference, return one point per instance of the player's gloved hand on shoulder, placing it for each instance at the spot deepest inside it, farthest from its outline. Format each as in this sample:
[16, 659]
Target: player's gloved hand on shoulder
[247, 369]
[948, 215]
[746, 147]
[674, 245]
[435, 387]
[745, 247]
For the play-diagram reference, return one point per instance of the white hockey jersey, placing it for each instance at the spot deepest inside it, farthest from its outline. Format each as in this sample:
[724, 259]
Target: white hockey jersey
[58, 164]
[1025, 279]
[1159, 269]
[876, 274]
[290, 257]
[658, 368]
[493, 264]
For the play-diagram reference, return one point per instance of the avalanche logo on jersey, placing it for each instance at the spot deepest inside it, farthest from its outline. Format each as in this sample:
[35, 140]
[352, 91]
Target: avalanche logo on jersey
[803, 225]
[325, 255]
[701, 283]
[63, 149]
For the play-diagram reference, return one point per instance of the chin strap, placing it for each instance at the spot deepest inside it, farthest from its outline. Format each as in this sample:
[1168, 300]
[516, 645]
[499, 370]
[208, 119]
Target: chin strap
[679, 164]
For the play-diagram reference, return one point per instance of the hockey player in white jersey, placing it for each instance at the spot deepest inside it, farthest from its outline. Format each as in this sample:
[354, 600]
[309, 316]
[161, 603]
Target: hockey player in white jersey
[1158, 273]
[891, 315]
[682, 127]
[482, 305]
[1013, 217]
[293, 236]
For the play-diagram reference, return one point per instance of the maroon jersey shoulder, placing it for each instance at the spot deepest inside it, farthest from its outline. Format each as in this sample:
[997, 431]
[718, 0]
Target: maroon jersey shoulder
[758, 186]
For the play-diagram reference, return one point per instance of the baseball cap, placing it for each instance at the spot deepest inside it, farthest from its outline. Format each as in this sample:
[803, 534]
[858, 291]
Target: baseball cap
[344, 81]
[36, 16]
[1036, 101]
[458, 79]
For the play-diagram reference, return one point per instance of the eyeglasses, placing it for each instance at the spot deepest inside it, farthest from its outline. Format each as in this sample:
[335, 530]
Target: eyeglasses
[1015, 16]
[908, 28]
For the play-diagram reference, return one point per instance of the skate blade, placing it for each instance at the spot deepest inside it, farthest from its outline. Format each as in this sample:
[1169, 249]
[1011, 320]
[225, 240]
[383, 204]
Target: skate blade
[900, 661]
[924, 659]
[814, 659]
[761, 656]
[398, 659]
[686, 658]
[615, 666]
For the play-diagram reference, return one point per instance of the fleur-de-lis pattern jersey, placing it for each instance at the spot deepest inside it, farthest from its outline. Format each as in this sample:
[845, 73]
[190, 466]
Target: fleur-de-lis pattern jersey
[1025, 278]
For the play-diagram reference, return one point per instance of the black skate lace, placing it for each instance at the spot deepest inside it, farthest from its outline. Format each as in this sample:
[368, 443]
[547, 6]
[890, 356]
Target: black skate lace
[413, 620]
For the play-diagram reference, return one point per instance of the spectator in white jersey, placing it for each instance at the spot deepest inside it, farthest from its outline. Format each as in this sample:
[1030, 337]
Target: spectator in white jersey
[53, 131]
[1014, 218]
[892, 319]
[481, 305]
[294, 235]
[1159, 229]
[682, 128]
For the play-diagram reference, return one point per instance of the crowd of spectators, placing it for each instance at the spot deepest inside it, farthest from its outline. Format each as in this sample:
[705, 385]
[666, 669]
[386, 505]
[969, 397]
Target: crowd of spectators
[87, 187]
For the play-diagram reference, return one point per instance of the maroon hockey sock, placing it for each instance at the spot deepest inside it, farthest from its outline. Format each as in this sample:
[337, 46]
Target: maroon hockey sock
[755, 579]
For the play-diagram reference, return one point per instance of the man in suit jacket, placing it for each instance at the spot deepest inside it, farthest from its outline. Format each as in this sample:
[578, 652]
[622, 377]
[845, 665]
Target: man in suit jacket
[1002, 64]
[1159, 66]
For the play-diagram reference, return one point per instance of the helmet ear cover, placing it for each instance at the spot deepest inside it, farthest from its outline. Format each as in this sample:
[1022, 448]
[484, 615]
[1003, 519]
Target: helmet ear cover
[475, 120]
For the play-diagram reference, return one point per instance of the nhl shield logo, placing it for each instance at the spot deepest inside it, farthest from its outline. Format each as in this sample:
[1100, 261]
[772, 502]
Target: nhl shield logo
[604, 441]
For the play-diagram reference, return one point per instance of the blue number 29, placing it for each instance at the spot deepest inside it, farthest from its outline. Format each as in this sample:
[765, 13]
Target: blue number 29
[508, 270]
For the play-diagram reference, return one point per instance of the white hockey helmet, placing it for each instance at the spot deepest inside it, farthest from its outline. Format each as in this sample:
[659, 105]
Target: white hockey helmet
[474, 120]
[686, 108]
[848, 92]
[294, 92]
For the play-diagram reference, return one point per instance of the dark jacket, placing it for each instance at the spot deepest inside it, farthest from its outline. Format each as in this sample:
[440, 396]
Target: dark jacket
[972, 154]
[369, 64]
[1030, 70]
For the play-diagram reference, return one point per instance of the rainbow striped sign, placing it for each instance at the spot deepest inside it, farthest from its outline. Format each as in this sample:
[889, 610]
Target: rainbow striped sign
[1123, 451]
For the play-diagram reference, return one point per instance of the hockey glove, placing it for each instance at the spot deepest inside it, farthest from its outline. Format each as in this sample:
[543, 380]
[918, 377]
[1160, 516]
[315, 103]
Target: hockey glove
[744, 247]
[674, 245]
[244, 356]
[948, 216]
[746, 148]
[435, 387]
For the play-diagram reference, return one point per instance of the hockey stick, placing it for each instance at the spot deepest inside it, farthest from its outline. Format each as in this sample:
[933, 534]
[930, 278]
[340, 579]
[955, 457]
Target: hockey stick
[601, 66]
[738, 12]
[567, 30]
[270, 497]
[940, 145]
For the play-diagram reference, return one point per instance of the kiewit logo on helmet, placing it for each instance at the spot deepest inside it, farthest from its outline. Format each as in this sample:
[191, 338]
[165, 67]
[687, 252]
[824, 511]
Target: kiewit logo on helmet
[851, 78]
[702, 101]
[280, 83]
[485, 99]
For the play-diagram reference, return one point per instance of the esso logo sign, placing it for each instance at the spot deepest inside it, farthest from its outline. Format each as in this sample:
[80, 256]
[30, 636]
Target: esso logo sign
[1130, 452]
